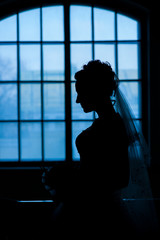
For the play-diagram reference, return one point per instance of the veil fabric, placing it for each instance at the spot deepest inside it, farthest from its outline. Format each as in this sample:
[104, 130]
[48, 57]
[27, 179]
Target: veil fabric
[137, 199]
[138, 151]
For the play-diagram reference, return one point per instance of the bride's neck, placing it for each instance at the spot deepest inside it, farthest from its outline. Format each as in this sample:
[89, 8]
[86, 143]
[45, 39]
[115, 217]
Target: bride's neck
[104, 109]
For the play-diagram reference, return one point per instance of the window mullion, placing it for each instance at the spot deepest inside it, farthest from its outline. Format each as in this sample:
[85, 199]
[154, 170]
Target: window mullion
[18, 92]
[41, 56]
[92, 23]
[93, 44]
[116, 44]
[67, 84]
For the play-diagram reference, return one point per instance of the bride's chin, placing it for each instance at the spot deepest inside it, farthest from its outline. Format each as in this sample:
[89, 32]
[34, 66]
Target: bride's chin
[86, 110]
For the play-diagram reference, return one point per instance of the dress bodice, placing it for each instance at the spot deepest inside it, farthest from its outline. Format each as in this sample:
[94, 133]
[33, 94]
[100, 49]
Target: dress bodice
[103, 149]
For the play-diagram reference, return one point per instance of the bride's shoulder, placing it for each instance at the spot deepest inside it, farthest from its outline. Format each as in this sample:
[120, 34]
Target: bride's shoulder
[84, 133]
[84, 137]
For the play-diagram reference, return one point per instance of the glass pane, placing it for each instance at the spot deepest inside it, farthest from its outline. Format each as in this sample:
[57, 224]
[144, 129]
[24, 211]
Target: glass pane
[127, 28]
[54, 101]
[31, 142]
[30, 101]
[80, 23]
[128, 61]
[8, 62]
[53, 23]
[104, 24]
[105, 52]
[77, 111]
[54, 141]
[8, 102]
[8, 141]
[77, 128]
[29, 25]
[80, 55]
[53, 62]
[8, 29]
[131, 92]
[30, 62]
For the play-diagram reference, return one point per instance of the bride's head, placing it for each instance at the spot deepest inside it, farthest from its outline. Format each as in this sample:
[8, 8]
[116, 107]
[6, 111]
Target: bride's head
[95, 83]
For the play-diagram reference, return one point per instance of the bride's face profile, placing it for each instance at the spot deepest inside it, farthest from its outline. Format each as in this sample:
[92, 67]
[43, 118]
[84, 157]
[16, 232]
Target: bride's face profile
[94, 85]
[85, 100]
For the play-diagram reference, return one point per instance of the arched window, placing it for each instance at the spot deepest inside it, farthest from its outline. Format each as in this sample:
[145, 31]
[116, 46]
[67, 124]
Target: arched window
[39, 54]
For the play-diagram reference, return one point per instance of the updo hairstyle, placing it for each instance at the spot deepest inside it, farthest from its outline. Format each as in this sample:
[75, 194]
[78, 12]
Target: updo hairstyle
[97, 78]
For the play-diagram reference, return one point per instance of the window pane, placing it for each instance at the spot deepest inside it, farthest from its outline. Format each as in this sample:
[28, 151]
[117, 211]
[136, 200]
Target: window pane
[77, 128]
[54, 141]
[8, 29]
[53, 23]
[30, 62]
[29, 25]
[80, 23]
[53, 62]
[128, 61]
[127, 28]
[105, 52]
[77, 111]
[31, 142]
[131, 92]
[8, 102]
[8, 141]
[8, 62]
[30, 101]
[80, 55]
[104, 24]
[54, 101]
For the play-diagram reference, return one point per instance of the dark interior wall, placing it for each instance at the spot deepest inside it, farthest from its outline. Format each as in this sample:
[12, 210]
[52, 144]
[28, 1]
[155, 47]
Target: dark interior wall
[147, 12]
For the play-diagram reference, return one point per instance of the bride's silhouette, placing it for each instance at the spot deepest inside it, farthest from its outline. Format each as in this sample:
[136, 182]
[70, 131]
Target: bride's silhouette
[89, 194]
[103, 147]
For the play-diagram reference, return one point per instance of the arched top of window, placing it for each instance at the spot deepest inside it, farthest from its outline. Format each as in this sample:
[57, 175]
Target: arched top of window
[80, 22]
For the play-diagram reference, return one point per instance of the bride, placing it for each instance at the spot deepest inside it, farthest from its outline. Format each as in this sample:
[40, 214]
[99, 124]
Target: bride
[113, 154]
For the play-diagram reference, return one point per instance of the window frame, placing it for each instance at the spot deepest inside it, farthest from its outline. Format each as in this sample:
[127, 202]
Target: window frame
[67, 82]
